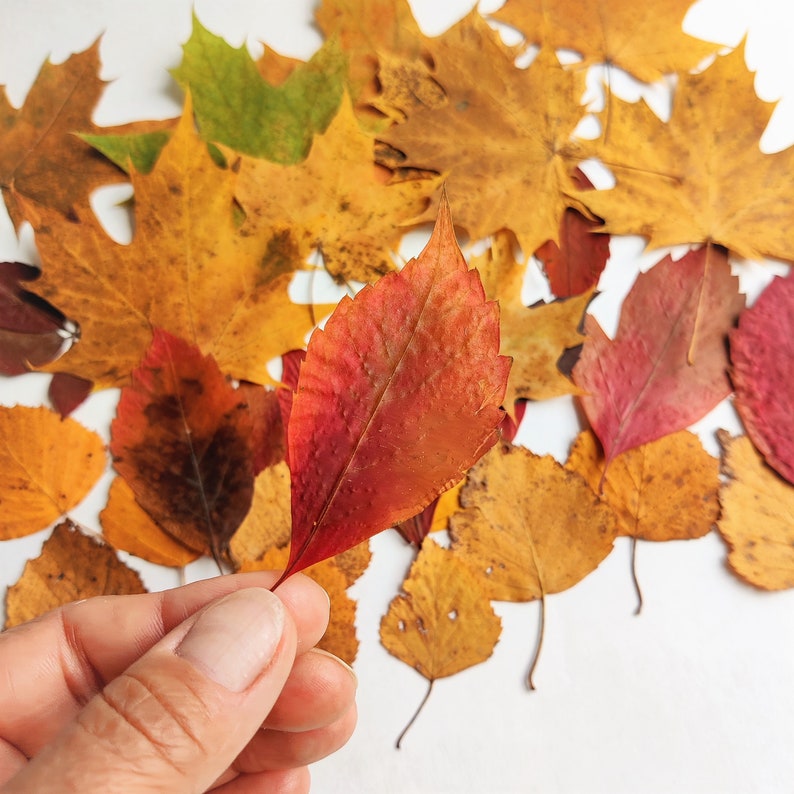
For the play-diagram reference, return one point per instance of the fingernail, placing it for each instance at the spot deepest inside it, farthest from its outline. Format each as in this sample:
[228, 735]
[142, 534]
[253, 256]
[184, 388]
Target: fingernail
[235, 638]
[341, 662]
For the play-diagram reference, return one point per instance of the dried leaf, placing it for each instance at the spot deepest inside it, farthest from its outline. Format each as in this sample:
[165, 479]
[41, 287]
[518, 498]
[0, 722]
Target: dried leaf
[397, 397]
[762, 371]
[444, 623]
[757, 520]
[664, 490]
[47, 466]
[182, 441]
[666, 367]
[32, 331]
[71, 566]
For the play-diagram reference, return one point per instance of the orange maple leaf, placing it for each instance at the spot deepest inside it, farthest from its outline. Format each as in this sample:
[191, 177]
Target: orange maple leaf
[190, 269]
[688, 181]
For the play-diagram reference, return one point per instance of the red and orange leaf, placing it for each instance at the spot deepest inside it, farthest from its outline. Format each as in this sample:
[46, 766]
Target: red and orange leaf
[667, 366]
[182, 441]
[762, 371]
[47, 466]
[398, 396]
[71, 566]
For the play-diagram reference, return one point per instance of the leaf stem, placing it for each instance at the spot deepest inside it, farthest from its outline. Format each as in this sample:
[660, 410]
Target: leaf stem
[416, 714]
[539, 645]
[636, 581]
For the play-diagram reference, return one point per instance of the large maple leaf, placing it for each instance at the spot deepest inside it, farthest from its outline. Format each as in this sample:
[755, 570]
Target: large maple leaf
[688, 180]
[337, 200]
[40, 157]
[502, 136]
[397, 397]
[190, 269]
[667, 365]
[647, 45]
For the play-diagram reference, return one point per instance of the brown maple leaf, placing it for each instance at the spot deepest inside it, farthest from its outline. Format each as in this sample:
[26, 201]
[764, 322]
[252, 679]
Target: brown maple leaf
[41, 159]
[190, 269]
[688, 180]
[502, 136]
[647, 45]
[337, 200]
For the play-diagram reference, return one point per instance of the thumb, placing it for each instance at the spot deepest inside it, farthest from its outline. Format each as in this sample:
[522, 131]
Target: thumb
[178, 717]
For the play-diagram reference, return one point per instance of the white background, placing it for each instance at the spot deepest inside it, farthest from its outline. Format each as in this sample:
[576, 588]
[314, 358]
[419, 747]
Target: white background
[695, 695]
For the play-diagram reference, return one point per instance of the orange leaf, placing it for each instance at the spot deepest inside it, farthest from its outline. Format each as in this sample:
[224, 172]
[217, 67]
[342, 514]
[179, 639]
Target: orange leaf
[664, 490]
[47, 466]
[757, 520]
[71, 566]
[127, 526]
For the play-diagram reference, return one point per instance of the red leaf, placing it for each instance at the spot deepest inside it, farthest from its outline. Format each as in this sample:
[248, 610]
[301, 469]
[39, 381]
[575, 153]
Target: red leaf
[32, 331]
[268, 439]
[762, 358]
[68, 391]
[667, 365]
[576, 264]
[291, 365]
[397, 397]
[182, 441]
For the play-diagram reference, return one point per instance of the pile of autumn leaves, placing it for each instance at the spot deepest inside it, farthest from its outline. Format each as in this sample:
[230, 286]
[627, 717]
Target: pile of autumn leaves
[276, 164]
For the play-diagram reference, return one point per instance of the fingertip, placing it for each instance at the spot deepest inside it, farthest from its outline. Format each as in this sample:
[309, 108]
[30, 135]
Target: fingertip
[310, 607]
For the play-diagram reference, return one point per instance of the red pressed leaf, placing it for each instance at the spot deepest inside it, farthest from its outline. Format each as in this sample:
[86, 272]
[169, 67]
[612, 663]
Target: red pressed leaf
[68, 391]
[398, 396]
[575, 264]
[268, 439]
[182, 441]
[667, 365]
[32, 331]
[762, 359]
[291, 367]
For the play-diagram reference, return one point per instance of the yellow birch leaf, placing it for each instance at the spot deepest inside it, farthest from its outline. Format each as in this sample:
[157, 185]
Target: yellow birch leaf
[757, 520]
[47, 466]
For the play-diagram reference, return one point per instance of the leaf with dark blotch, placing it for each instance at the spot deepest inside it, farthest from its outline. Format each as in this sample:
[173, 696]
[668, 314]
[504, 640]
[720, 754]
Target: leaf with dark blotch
[182, 441]
[398, 396]
[32, 331]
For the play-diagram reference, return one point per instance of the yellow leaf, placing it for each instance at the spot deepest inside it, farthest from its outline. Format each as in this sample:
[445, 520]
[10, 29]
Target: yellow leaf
[47, 466]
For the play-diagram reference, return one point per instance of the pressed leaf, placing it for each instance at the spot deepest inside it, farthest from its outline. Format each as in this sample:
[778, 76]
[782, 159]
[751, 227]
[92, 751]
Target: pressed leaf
[686, 180]
[71, 566]
[126, 526]
[67, 392]
[664, 490]
[32, 331]
[535, 337]
[273, 122]
[648, 46]
[336, 200]
[182, 441]
[528, 526]
[503, 135]
[443, 623]
[757, 520]
[47, 466]
[762, 371]
[397, 397]
[432, 519]
[667, 366]
[211, 283]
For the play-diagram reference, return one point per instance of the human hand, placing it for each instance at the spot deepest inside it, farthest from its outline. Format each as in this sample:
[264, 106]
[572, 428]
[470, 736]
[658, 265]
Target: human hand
[212, 686]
